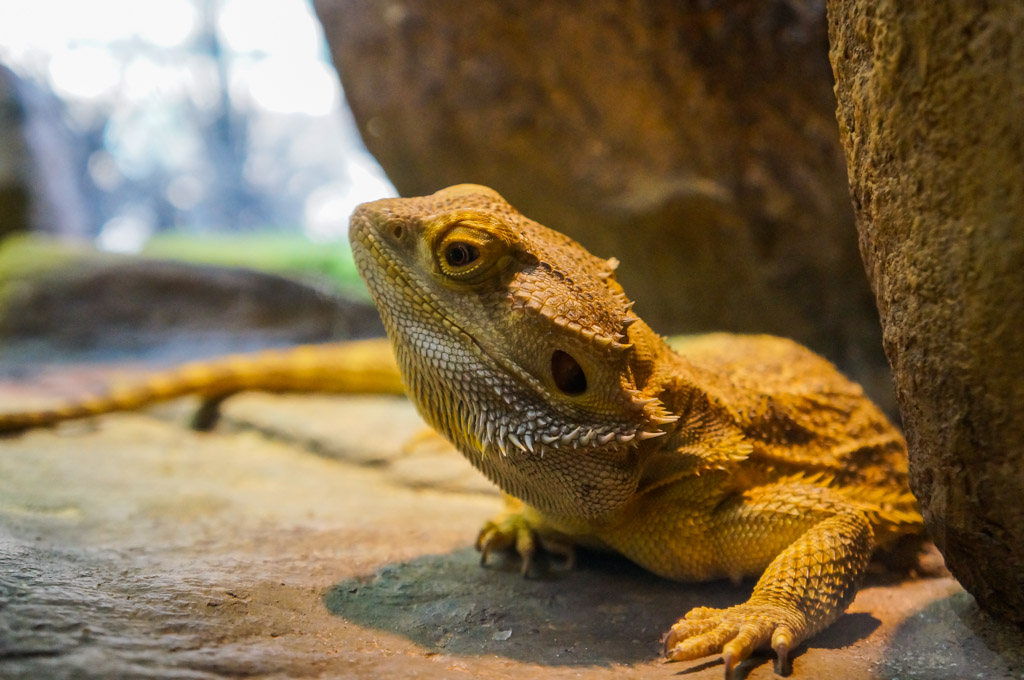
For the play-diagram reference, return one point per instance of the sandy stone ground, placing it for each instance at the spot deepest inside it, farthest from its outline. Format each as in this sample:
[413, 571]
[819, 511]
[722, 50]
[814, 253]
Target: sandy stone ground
[306, 538]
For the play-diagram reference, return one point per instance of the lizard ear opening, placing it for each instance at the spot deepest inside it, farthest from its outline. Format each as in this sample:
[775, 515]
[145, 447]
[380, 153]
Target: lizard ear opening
[568, 374]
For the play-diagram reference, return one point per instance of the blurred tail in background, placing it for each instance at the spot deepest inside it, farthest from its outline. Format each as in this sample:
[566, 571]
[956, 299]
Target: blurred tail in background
[364, 366]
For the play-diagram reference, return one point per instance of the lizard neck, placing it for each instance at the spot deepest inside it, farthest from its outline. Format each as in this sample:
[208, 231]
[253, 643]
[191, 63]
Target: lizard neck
[658, 371]
[705, 436]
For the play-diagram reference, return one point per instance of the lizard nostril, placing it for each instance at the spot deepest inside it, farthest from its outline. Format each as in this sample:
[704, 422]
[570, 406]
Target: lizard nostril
[395, 229]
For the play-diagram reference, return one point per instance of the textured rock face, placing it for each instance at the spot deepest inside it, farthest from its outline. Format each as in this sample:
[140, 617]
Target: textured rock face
[696, 142]
[931, 110]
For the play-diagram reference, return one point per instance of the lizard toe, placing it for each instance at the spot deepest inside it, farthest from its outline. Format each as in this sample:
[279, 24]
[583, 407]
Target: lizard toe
[782, 641]
[526, 548]
[702, 644]
[492, 538]
[561, 548]
[749, 637]
[686, 629]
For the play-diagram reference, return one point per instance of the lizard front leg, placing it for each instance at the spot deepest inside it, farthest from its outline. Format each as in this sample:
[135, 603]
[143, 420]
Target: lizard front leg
[522, 529]
[807, 585]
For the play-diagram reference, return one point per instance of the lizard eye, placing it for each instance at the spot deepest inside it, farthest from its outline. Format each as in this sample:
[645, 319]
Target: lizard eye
[460, 254]
[568, 374]
[470, 255]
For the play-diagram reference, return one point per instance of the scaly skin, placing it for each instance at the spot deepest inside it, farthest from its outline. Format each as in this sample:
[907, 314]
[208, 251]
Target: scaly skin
[361, 366]
[739, 456]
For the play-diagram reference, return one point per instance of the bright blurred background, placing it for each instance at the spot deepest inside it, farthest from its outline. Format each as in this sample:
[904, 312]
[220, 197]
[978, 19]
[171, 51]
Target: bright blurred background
[193, 116]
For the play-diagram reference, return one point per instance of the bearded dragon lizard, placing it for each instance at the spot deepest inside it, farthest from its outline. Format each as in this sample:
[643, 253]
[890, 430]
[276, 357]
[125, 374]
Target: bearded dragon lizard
[742, 456]
[736, 456]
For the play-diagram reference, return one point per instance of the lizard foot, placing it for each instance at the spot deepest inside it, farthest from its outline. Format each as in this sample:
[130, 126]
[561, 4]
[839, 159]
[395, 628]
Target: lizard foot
[512, 531]
[735, 633]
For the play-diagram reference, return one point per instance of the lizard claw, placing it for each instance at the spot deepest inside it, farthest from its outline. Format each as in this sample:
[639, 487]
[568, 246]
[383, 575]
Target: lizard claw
[729, 664]
[782, 666]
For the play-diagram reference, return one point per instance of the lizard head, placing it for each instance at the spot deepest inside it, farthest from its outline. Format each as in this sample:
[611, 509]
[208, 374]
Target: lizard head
[514, 342]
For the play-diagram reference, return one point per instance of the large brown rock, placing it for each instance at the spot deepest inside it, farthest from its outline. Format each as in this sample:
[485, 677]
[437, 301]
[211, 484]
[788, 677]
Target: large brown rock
[931, 108]
[696, 142]
[60, 302]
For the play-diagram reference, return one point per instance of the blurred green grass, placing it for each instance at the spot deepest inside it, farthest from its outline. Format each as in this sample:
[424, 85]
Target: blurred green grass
[277, 252]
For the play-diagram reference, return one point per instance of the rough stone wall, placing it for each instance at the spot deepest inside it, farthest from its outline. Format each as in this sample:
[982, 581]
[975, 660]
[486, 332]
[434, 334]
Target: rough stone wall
[696, 142]
[931, 112]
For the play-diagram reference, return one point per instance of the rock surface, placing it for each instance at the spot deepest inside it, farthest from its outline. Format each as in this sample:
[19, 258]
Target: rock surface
[930, 102]
[131, 547]
[695, 142]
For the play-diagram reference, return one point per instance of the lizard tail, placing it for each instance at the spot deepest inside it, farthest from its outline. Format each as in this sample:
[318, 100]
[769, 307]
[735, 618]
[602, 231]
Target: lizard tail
[365, 366]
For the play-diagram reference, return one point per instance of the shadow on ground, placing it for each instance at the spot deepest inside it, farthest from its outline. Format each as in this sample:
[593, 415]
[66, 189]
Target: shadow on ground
[606, 612]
